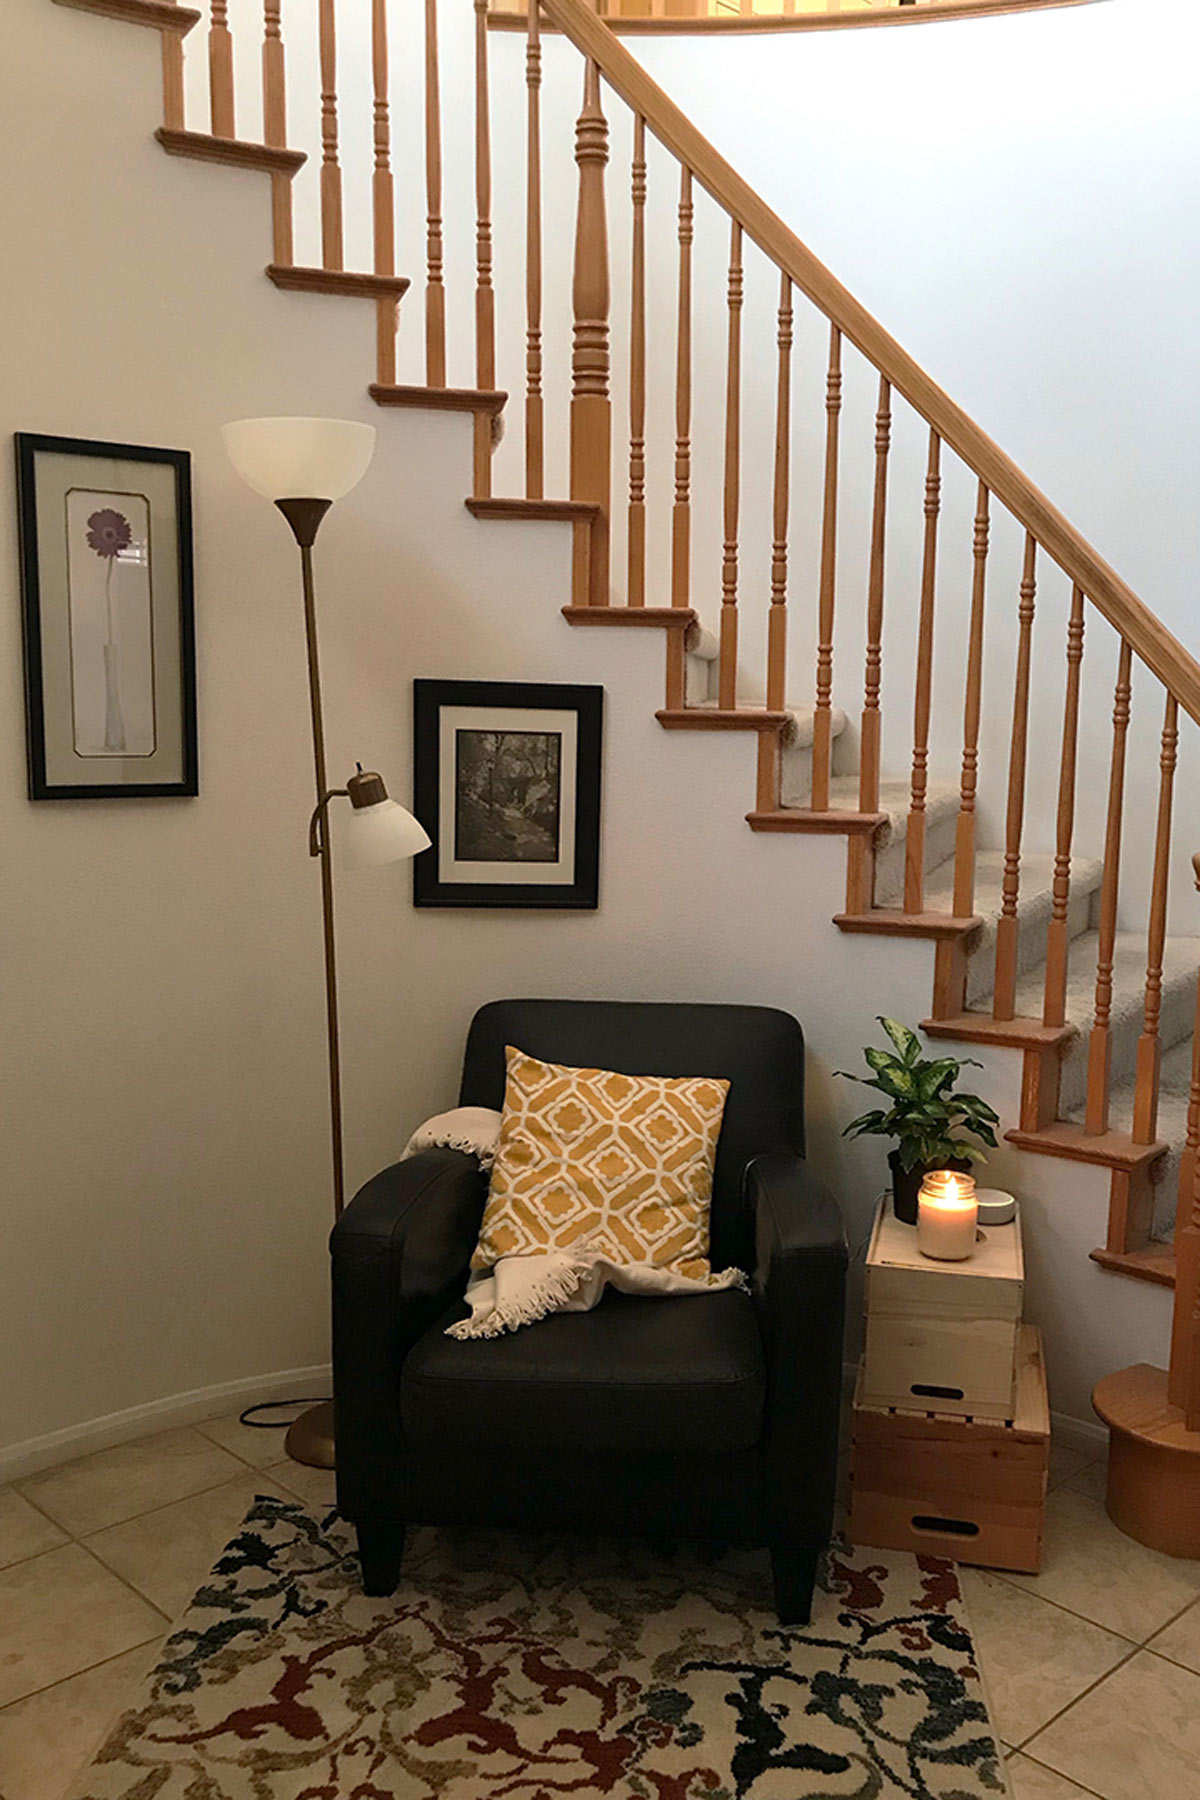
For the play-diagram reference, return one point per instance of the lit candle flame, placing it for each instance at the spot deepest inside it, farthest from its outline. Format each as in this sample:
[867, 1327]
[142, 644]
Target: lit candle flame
[952, 1190]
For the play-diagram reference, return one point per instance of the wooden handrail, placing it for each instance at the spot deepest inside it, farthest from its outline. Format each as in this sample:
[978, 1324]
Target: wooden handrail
[1158, 648]
[928, 12]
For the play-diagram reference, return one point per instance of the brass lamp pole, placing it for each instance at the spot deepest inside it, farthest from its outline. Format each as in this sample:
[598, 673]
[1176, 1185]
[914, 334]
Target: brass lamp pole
[304, 465]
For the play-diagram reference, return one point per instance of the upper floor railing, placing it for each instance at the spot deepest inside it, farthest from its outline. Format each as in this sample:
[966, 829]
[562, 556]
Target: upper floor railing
[765, 15]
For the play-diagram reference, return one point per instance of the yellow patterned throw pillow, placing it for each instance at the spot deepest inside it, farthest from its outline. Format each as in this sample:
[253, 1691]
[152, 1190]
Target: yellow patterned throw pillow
[621, 1162]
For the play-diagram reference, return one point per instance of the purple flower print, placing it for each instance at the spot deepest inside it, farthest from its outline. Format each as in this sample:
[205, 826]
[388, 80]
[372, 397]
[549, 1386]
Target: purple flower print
[108, 533]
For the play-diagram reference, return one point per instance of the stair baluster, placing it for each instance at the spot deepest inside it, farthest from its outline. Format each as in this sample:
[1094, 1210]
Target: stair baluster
[274, 91]
[1183, 1388]
[1149, 1050]
[823, 712]
[965, 828]
[868, 790]
[485, 298]
[1099, 1043]
[1054, 1005]
[332, 251]
[220, 71]
[914, 843]
[435, 289]
[777, 617]
[534, 422]
[1004, 1004]
[681, 514]
[591, 408]
[383, 196]
[733, 463]
[637, 373]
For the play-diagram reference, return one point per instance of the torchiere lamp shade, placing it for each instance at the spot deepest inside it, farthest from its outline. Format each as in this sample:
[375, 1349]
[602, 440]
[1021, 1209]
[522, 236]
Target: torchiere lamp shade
[293, 459]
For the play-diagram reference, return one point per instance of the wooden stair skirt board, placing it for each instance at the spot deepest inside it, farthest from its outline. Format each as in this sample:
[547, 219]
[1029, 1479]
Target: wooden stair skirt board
[162, 15]
[1155, 1263]
[970, 1489]
[202, 146]
[1153, 1462]
[344, 283]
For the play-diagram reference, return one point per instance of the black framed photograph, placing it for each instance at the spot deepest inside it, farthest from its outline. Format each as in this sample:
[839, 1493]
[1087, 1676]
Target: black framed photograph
[507, 784]
[110, 653]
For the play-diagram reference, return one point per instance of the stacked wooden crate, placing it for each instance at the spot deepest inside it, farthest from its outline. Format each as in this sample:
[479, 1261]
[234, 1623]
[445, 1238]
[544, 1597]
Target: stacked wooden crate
[951, 1440]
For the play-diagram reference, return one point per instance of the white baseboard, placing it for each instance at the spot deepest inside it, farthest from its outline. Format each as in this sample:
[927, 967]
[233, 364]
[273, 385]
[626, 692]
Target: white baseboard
[62, 1446]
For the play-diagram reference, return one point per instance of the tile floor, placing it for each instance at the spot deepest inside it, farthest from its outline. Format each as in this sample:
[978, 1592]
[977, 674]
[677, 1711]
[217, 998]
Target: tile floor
[1092, 1667]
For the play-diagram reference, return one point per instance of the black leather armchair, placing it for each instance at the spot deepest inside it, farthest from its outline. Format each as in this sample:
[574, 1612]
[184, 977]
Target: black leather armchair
[688, 1416]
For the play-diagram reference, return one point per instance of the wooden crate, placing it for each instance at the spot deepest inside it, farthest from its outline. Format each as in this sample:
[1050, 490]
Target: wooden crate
[971, 1489]
[943, 1335]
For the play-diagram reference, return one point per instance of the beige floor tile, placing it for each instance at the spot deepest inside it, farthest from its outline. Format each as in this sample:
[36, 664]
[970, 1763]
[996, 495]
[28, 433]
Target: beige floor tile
[111, 1485]
[1092, 1480]
[1065, 1462]
[46, 1739]
[24, 1531]
[1031, 1781]
[1181, 1640]
[1035, 1658]
[1095, 1570]
[1134, 1737]
[59, 1614]
[257, 1447]
[166, 1554]
[316, 1486]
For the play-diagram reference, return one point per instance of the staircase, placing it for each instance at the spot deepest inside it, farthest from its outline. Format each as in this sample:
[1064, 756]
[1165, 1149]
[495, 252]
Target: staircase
[1036, 948]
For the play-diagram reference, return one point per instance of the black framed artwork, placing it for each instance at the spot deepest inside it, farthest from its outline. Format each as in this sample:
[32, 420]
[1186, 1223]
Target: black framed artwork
[106, 581]
[507, 784]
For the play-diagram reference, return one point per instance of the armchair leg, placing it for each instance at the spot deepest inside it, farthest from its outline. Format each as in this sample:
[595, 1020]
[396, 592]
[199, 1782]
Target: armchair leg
[794, 1568]
[380, 1549]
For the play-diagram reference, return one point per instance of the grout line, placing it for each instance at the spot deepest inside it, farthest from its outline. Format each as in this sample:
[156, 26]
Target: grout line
[1081, 1695]
[117, 1576]
[44, 1514]
[88, 1669]
[1123, 1636]
[1091, 1792]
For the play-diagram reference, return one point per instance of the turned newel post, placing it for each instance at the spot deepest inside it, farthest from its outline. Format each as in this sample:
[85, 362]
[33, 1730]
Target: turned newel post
[591, 409]
[1184, 1386]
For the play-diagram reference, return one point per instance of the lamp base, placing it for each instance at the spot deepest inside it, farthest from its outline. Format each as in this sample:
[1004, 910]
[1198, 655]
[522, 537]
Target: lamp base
[310, 1437]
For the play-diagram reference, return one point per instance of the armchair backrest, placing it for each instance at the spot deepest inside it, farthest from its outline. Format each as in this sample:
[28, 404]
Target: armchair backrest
[757, 1049]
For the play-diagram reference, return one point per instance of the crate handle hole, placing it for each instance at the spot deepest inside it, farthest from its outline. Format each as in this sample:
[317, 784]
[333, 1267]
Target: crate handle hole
[952, 1527]
[927, 1391]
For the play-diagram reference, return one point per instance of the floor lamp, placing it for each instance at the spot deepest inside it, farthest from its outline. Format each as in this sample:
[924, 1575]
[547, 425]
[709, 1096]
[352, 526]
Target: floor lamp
[304, 465]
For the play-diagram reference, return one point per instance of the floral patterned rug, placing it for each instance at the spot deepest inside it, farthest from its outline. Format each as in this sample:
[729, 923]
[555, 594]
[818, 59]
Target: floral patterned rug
[537, 1667]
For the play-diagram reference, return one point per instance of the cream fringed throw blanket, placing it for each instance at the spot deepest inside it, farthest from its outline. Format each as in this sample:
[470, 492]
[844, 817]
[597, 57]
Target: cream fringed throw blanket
[517, 1290]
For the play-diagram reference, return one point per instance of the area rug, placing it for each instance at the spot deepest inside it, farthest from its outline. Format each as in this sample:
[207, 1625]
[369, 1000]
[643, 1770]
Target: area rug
[535, 1667]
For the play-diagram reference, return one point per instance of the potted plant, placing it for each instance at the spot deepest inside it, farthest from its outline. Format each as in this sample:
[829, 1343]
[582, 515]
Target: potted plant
[932, 1124]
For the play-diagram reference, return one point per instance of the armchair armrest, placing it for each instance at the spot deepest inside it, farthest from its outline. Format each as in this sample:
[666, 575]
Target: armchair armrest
[801, 1260]
[401, 1253]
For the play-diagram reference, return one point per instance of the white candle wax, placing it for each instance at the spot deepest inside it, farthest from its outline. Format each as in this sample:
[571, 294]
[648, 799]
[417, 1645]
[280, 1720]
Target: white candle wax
[947, 1215]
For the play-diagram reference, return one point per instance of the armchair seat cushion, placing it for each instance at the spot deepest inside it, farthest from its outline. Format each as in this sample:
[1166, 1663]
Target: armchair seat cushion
[639, 1374]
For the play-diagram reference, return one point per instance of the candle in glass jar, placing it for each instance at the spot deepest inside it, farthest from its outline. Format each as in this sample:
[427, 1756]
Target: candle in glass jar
[947, 1215]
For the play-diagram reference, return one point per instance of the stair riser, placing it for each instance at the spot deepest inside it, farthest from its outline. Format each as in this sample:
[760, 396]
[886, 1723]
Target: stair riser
[941, 824]
[1125, 1027]
[1033, 917]
[795, 784]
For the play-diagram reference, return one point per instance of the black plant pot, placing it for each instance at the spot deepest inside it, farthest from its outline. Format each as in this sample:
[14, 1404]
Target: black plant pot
[906, 1183]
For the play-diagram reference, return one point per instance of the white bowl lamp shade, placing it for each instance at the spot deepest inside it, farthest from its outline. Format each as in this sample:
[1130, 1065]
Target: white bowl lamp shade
[300, 459]
[379, 834]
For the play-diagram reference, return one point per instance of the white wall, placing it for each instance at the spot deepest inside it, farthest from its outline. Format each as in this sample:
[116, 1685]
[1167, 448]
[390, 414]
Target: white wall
[165, 1194]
